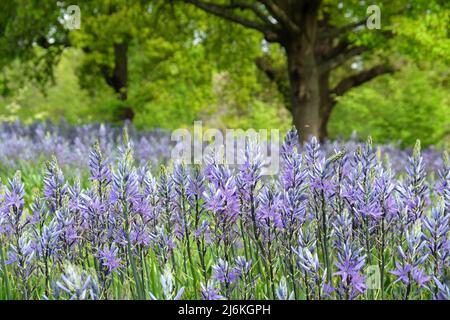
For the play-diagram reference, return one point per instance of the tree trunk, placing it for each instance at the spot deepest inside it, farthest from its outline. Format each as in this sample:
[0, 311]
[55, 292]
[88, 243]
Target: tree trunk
[119, 80]
[324, 118]
[326, 105]
[313, 45]
[304, 83]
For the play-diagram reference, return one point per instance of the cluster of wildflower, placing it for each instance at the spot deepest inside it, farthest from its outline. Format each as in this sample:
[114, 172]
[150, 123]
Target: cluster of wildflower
[330, 226]
[69, 144]
[22, 143]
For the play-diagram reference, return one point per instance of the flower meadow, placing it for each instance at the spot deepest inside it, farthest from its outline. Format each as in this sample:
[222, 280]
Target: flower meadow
[340, 221]
[22, 145]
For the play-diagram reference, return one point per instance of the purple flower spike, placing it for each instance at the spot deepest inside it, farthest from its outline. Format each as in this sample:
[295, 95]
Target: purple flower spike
[109, 258]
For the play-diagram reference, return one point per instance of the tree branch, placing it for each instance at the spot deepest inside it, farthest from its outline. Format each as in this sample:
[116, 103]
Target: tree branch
[254, 8]
[339, 55]
[226, 12]
[343, 51]
[360, 78]
[335, 32]
[281, 16]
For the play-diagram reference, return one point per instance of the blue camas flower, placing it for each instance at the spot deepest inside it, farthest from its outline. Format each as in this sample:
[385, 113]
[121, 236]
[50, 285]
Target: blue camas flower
[213, 231]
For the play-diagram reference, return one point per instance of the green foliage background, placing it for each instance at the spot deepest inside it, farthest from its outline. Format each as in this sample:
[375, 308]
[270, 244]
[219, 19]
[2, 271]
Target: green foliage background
[185, 65]
[409, 105]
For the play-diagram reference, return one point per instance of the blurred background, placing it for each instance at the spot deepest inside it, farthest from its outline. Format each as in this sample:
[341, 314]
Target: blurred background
[231, 64]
